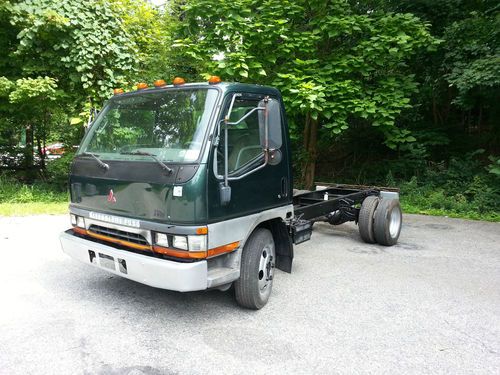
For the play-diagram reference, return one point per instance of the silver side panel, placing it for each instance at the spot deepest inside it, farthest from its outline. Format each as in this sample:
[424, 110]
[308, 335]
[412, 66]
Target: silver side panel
[229, 231]
[389, 195]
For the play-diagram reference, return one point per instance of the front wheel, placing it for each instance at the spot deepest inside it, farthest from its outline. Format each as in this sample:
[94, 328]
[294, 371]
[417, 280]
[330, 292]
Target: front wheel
[254, 286]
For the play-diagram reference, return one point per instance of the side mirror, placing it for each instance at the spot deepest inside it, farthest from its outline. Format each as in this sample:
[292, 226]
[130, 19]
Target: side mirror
[224, 194]
[274, 136]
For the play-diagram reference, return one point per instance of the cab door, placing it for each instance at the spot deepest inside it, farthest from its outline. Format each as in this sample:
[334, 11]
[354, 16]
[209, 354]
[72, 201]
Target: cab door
[251, 191]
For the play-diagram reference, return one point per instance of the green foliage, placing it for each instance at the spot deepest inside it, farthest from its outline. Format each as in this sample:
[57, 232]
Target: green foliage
[417, 197]
[472, 57]
[494, 167]
[58, 170]
[62, 58]
[329, 60]
[33, 89]
[82, 43]
[6, 86]
[12, 191]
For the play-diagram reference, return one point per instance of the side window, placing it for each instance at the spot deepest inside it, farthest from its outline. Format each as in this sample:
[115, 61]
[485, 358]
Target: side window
[243, 139]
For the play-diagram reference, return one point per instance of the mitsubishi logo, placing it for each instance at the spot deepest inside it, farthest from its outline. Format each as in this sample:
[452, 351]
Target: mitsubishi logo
[111, 196]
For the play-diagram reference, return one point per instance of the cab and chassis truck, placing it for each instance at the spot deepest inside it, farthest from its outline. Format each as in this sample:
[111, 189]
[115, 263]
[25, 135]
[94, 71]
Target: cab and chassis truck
[188, 187]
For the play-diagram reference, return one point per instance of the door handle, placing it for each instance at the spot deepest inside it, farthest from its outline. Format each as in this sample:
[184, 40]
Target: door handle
[283, 187]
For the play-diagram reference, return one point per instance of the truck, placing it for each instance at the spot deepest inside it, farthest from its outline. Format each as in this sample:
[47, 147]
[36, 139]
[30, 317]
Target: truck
[188, 187]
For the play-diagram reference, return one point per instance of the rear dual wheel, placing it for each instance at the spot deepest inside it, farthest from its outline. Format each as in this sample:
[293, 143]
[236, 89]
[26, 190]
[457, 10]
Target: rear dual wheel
[380, 220]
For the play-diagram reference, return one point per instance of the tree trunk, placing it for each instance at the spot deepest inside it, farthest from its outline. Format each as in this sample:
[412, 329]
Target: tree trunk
[310, 143]
[40, 152]
[28, 148]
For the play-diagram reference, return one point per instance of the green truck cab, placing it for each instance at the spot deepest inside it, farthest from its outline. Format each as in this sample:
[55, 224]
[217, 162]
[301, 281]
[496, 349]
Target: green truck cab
[189, 187]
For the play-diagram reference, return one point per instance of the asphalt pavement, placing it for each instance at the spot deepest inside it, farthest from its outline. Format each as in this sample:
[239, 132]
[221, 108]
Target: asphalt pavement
[431, 304]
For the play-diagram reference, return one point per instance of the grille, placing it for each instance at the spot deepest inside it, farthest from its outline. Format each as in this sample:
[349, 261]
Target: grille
[119, 234]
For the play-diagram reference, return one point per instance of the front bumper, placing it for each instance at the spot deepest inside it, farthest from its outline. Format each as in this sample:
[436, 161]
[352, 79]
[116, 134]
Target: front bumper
[158, 273]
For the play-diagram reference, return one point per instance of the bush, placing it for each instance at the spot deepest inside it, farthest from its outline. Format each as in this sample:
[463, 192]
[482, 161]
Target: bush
[58, 171]
[12, 191]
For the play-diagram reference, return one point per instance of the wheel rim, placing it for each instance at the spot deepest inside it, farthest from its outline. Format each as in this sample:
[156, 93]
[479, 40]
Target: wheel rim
[266, 268]
[395, 222]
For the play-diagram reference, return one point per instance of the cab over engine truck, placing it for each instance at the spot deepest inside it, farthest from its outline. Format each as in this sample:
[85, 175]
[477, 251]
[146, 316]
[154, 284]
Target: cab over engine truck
[189, 187]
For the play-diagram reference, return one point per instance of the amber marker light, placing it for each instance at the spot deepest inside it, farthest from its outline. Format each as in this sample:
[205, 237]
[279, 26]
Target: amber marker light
[160, 83]
[79, 230]
[178, 81]
[213, 80]
[223, 249]
[141, 86]
[180, 253]
[202, 230]
[117, 91]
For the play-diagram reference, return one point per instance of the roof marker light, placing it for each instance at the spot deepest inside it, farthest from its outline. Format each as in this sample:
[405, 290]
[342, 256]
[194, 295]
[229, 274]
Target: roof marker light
[213, 80]
[160, 83]
[117, 91]
[141, 85]
[178, 81]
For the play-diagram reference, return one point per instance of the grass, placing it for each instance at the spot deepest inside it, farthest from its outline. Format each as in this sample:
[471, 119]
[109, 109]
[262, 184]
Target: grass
[19, 199]
[408, 208]
[426, 200]
[33, 208]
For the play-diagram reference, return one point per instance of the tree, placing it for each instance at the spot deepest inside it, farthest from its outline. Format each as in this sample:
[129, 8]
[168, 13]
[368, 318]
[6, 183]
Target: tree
[334, 64]
[36, 108]
[80, 49]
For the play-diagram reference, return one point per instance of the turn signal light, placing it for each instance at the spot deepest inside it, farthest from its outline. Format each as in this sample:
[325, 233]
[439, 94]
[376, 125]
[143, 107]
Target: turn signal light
[117, 91]
[178, 81]
[202, 230]
[213, 80]
[160, 83]
[142, 85]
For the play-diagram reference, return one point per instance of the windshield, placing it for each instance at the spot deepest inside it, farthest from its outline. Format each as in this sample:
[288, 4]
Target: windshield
[169, 125]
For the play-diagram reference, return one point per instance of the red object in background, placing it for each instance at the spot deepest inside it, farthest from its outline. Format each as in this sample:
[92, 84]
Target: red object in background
[54, 149]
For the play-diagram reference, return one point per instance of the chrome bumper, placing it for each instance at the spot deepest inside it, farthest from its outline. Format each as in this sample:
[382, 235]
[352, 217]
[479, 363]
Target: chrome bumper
[158, 273]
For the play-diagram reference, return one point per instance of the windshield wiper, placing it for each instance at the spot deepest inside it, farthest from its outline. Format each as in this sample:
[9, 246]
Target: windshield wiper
[102, 164]
[142, 153]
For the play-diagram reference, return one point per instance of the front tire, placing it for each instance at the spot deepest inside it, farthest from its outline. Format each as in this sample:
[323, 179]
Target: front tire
[253, 288]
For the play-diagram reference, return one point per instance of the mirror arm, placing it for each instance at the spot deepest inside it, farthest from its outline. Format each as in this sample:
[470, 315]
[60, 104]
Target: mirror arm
[266, 125]
[226, 164]
[266, 140]
[233, 99]
[266, 150]
[266, 160]
[246, 115]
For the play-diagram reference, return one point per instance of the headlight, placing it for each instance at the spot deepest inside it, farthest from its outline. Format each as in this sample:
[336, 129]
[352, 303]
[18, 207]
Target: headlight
[80, 222]
[197, 243]
[192, 242]
[180, 242]
[77, 221]
[161, 239]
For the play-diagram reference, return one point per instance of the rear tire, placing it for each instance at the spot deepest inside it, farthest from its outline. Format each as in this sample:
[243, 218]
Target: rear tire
[388, 222]
[365, 220]
[253, 288]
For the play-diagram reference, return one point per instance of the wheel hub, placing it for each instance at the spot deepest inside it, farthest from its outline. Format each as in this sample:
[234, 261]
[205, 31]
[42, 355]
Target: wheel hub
[266, 268]
[395, 222]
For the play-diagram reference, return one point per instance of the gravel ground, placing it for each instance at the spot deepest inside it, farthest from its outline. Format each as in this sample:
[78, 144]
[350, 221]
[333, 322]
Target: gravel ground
[431, 304]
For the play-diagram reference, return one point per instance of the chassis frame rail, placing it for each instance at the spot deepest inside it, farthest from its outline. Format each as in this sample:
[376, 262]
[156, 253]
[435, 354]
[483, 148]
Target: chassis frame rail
[317, 205]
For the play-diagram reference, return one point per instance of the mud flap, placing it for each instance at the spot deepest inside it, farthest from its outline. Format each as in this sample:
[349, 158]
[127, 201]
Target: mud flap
[284, 246]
